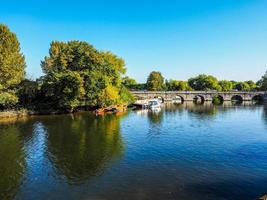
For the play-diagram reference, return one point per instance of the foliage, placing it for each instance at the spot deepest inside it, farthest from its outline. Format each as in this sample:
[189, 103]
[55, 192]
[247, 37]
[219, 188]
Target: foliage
[175, 85]
[225, 85]
[12, 65]
[77, 74]
[63, 89]
[128, 82]
[252, 84]
[126, 96]
[27, 92]
[8, 99]
[204, 82]
[242, 86]
[155, 81]
[262, 83]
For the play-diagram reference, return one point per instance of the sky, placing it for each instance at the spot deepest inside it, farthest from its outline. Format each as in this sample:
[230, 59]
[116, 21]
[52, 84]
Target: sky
[180, 38]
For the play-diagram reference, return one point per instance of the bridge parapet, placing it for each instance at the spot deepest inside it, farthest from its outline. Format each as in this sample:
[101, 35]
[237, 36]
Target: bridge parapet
[206, 95]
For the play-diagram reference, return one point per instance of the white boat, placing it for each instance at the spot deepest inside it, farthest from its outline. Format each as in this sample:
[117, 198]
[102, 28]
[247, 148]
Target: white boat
[154, 104]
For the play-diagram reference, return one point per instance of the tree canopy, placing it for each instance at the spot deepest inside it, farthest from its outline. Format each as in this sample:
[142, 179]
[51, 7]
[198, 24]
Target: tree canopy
[128, 82]
[155, 81]
[12, 66]
[175, 85]
[204, 82]
[77, 74]
[262, 83]
[242, 86]
[226, 85]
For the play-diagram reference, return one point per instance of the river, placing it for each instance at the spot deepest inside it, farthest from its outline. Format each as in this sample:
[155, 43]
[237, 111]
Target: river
[183, 152]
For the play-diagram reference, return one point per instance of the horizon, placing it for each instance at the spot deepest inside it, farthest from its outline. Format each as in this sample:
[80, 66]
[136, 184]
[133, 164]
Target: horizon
[181, 39]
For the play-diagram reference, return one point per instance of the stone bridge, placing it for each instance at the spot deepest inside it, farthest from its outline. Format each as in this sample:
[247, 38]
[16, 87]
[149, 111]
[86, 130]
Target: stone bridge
[203, 95]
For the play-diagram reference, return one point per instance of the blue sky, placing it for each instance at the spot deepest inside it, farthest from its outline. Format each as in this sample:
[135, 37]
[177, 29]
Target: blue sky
[180, 38]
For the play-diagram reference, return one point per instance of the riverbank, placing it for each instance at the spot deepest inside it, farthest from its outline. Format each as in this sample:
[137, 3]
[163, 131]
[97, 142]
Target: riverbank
[22, 113]
[14, 113]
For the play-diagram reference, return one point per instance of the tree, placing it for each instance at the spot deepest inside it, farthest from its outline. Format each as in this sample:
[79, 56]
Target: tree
[262, 83]
[12, 66]
[225, 85]
[27, 93]
[77, 74]
[175, 85]
[128, 82]
[63, 89]
[204, 82]
[155, 81]
[252, 84]
[242, 86]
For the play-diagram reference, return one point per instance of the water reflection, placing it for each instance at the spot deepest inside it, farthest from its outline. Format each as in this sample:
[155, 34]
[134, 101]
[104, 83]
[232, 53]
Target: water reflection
[155, 116]
[83, 145]
[13, 137]
[183, 151]
[12, 162]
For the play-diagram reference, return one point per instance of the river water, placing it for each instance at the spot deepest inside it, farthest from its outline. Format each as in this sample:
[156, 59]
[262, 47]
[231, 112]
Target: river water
[184, 152]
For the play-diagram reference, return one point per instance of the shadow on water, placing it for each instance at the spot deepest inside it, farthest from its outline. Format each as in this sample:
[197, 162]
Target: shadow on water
[83, 145]
[78, 147]
[13, 137]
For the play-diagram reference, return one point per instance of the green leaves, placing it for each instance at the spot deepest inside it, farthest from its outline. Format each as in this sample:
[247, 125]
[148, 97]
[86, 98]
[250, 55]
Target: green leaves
[204, 82]
[78, 74]
[175, 85]
[155, 81]
[8, 99]
[64, 89]
[12, 66]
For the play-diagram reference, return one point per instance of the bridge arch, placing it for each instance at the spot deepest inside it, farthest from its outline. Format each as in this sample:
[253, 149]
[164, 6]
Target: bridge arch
[199, 99]
[178, 99]
[217, 99]
[237, 99]
[257, 98]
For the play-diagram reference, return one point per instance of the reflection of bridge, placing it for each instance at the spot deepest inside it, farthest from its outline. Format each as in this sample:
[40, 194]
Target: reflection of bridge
[203, 95]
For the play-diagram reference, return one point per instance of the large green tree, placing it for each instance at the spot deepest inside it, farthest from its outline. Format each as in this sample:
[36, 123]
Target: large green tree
[155, 81]
[12, 66]
[77, 74]
[204, 82]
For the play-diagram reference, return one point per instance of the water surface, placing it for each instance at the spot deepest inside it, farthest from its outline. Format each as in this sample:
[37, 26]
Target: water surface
[183, 152]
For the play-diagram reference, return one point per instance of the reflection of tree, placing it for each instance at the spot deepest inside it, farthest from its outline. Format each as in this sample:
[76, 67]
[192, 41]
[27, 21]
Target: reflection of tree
[80, 146]
[12, 161]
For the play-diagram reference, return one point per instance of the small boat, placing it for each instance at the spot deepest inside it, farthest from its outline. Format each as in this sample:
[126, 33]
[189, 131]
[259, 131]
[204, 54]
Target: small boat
[154, 104]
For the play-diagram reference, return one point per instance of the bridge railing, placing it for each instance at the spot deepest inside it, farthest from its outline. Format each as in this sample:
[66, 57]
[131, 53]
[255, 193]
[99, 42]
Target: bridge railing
[199, 92]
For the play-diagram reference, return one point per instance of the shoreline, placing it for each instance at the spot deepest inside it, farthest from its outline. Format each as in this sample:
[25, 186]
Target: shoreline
[23, 113]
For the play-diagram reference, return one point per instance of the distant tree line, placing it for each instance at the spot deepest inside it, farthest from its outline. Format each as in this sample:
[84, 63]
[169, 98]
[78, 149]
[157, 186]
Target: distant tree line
[77, 75]
[202, 82]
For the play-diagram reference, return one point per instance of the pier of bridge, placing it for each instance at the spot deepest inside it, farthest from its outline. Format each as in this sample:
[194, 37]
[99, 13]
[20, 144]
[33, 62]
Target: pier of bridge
[203, 95]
